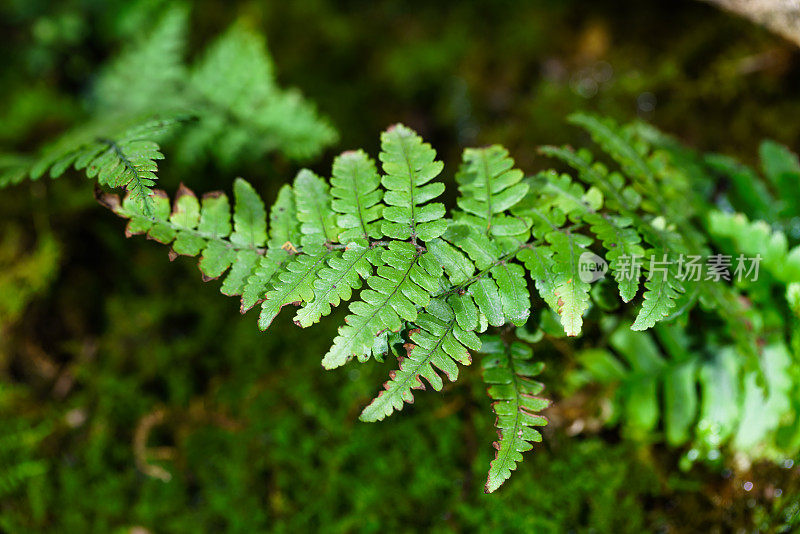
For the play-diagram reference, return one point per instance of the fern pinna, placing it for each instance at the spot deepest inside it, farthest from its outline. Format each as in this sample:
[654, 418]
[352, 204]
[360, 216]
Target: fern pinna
[437, 285]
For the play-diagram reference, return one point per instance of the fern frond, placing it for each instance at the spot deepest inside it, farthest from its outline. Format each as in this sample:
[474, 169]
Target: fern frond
[433, 283]
[489, 186]
[569, 197]
[616, 233]
[622, 235]
[236, 110]
[295, 284]
[555, 268]
[436, 343]
[508, 371]
[617, 194]
[410, 164]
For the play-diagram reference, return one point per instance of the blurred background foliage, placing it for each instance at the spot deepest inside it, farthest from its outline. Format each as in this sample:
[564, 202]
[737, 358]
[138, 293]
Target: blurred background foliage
[135, 397]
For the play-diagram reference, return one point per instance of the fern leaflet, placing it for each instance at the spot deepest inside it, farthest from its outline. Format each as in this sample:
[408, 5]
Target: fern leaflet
[508, 371]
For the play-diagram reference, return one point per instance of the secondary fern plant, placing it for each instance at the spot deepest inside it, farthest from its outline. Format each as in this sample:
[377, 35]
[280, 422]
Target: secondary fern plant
[226, 105]
[703, 389]
[433, 288]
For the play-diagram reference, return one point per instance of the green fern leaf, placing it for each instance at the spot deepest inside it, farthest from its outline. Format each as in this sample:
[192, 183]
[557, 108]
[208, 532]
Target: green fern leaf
[356, 196]
[313, 201]
[572, 293]
[560, 192]
[118, 152]
[507, 370]
[622, 242]
[538, 260]
[612, 185]
[433, 346]
[206, 230]
[240, 110]
[615, 232]
[249, 216]
[410, 165]
[489, 186]
[662, 290]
